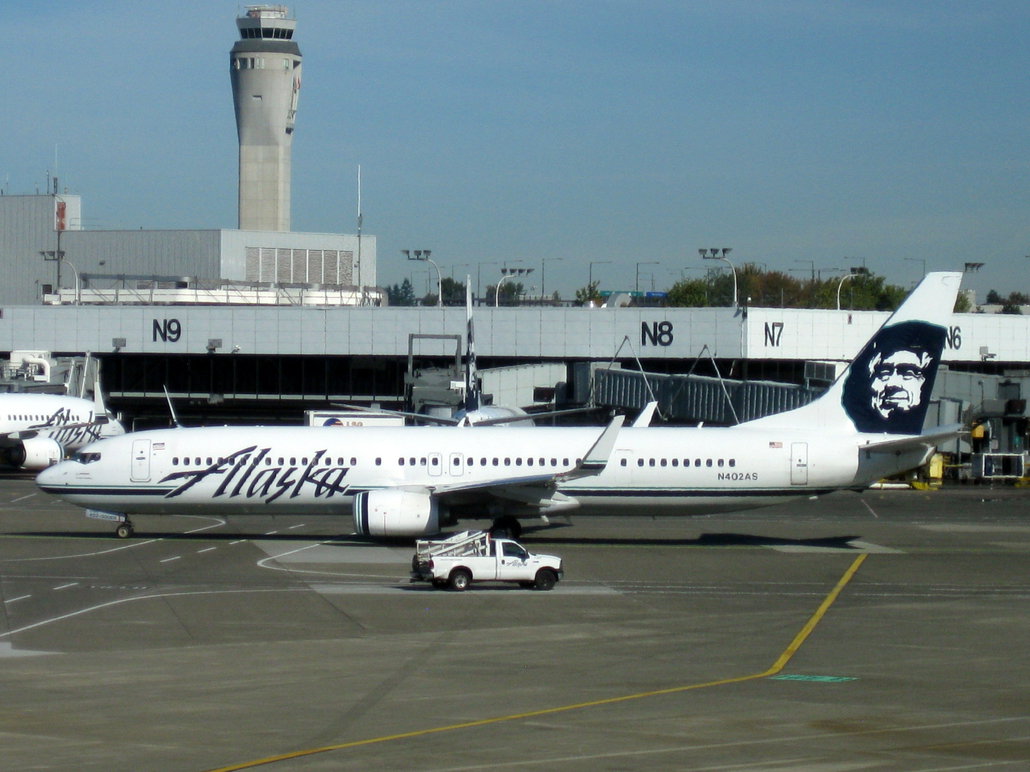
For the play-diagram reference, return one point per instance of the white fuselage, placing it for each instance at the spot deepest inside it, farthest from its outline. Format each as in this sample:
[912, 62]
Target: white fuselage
[36, 430]
[318, 470]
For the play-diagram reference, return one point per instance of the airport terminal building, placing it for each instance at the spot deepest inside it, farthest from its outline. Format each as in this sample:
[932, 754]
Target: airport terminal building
[263, 325]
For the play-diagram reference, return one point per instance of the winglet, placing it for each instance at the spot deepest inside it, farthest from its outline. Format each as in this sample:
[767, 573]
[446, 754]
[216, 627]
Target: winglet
[644, 419]
[596, 459]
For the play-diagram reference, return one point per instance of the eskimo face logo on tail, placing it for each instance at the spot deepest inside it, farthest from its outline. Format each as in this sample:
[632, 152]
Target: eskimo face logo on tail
[889, 383]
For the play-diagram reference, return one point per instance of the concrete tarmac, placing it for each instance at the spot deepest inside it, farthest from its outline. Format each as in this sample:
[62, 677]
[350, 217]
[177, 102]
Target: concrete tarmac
[887, 630]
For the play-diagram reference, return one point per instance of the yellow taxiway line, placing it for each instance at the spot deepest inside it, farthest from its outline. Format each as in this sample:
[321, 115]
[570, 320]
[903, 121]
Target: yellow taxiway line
[775, 668]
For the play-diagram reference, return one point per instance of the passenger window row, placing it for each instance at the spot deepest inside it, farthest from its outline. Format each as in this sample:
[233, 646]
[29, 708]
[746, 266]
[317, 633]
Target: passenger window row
[686, 462]
[483, 461]
[293, 460]
[22, 417]
[433, 461]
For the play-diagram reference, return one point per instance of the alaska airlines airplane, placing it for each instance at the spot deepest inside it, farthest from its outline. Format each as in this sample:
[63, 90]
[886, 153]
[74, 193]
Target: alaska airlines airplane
[408, 481]
[37, 430]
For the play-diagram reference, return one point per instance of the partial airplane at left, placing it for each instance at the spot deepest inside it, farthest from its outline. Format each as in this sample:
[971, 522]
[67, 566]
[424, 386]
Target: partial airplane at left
[38, 430]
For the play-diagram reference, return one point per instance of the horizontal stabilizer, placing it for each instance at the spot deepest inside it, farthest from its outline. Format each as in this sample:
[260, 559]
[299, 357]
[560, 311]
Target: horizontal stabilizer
[933, 437]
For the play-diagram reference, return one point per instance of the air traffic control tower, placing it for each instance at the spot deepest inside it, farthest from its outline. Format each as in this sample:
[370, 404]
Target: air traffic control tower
[265, 66]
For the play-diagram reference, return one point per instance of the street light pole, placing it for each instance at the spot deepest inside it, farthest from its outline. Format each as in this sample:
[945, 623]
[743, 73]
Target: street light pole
[921, 260]
[479, 277]
[636, 283]
[58, 257]
[714, 254]
[543, 275]
[423, 255]
[843, 279]
[508, 273]
[590, 272]
[860, 270]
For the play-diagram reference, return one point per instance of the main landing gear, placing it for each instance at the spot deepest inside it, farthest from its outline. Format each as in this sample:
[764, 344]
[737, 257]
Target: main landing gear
[125, 529]
[506, 527]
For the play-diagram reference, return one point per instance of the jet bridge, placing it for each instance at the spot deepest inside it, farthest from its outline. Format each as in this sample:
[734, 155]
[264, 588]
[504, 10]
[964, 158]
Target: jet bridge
[697, 398]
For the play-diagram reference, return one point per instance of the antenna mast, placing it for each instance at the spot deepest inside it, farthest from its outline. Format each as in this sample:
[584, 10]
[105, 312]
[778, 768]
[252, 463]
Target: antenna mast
[360, 285]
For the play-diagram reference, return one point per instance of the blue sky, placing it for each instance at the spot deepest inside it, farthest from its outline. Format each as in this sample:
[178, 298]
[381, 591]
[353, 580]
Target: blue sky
[800, 133]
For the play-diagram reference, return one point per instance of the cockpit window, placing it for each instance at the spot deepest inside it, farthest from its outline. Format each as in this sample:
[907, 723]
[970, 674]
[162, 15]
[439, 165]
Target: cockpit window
[85, 457]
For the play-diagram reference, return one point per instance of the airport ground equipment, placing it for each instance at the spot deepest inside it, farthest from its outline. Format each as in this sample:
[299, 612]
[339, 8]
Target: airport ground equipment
[475, 556]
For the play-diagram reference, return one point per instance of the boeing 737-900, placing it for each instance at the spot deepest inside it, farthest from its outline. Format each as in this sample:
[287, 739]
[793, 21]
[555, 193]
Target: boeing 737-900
[408, 481]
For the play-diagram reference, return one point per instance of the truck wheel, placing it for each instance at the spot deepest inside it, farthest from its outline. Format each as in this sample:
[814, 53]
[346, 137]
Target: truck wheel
[460, 580]
[546, 579]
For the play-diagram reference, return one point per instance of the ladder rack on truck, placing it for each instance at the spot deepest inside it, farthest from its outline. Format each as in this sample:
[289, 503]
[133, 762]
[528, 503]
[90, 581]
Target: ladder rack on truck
[459, 545]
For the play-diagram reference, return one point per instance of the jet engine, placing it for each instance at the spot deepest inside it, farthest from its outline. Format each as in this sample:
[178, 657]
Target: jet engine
[35, 454]
[396, 513]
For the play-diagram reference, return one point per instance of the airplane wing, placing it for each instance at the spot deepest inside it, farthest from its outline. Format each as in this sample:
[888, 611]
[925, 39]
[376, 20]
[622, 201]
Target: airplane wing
[515, 487]
[14, 439]
[7, 438]
[927, 439]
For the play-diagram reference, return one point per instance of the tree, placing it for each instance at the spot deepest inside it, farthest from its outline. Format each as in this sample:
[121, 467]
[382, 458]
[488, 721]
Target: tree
[689, 293]
[401, 294]
[510, 293]
[1009, 305]
[453, 292]
[775, 289]
[588, 294]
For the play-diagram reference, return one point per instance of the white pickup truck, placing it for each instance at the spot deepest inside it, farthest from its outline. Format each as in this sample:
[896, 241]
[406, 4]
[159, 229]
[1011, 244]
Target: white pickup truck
[475, 556]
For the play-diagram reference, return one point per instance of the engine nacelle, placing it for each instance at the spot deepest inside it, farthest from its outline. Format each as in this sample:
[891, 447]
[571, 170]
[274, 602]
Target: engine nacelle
[396, 513]
[35, 454]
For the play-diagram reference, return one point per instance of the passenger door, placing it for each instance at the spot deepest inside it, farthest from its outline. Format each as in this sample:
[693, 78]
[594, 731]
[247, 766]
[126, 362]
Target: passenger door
[799, 463]
[435, 464]
[456, 465]
[140, 461]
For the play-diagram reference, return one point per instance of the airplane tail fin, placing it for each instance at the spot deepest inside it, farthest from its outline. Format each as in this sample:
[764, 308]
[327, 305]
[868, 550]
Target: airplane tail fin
[112, 426]
[472, 396]
[886, 388]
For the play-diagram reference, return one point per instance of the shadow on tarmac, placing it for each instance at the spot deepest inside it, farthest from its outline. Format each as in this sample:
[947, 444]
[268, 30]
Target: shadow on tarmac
[714, 540]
